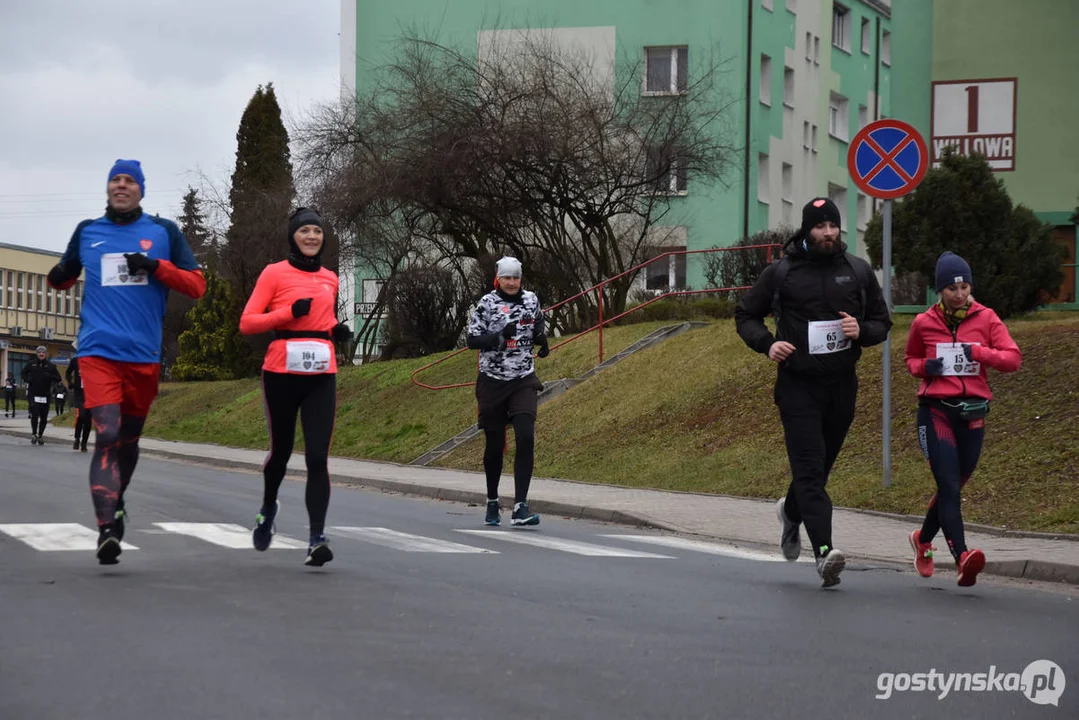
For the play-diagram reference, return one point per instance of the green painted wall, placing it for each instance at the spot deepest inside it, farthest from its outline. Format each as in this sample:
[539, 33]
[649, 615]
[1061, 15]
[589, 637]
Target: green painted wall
[1036, 43]
[912, 28]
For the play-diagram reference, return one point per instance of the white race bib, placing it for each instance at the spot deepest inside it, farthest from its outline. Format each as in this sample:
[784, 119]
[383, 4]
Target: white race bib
[114, 272]
[955, 360]
[826, 336]
[59, 396]
[39, 399]
[307, 356]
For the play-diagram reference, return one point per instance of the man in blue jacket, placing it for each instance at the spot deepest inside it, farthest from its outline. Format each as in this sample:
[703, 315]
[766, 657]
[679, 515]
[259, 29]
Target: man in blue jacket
[131, 260]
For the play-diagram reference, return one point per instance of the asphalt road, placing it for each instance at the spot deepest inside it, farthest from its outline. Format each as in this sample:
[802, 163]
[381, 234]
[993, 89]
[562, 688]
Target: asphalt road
[419, 619]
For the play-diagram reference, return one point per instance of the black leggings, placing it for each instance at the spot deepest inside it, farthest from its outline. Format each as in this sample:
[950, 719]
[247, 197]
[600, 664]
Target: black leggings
[953, 448]
[39, 417]
[82, 424]
[9, 402]
[314, 397]
[524, 430]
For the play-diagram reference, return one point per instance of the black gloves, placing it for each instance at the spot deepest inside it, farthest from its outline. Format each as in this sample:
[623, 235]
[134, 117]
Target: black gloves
[968, 350]
[540, 341]
[137, 262]
[341, 333]
[510, 330]
[301, 307]
[59, 275]
[934, 366]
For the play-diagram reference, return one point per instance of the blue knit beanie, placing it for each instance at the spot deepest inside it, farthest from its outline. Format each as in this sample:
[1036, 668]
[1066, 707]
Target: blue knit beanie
[132, 168]
[951, 269]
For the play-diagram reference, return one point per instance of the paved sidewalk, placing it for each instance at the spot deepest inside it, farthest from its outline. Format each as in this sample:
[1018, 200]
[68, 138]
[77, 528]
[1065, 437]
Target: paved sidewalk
[866, 535]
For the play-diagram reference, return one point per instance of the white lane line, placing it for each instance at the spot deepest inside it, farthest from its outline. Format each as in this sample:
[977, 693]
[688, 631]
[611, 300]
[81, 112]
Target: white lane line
[53, 537]
[227, 535]
[570, 546]
[681, 543]
[406, 542]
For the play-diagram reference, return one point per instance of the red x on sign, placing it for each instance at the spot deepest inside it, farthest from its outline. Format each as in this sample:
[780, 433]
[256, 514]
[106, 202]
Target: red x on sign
[887, 159]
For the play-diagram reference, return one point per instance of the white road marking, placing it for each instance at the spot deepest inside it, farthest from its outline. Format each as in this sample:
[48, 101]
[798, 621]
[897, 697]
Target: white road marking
[570, 546]
[712, 548]
[228, 535]
[53, 537]
[406, 542]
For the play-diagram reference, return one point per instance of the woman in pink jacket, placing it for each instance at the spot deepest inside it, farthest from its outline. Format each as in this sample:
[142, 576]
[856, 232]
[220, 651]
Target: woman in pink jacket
[950, 346]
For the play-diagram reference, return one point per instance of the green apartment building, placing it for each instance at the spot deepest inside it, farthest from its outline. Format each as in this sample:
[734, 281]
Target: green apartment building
[808, 74]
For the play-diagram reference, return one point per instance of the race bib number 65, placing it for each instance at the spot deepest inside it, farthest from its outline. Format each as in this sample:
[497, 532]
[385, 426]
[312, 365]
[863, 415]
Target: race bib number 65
[826, 336]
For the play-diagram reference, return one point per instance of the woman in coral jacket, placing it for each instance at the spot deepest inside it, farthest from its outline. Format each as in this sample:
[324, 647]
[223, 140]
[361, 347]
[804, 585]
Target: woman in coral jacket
[950, 346]
[297, 300]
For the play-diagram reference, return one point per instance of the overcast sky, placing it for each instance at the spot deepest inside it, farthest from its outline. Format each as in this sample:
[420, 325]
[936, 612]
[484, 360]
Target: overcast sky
[162, 81]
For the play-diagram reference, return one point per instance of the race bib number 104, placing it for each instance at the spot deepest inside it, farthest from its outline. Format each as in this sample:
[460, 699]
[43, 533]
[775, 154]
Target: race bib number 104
[114, 272]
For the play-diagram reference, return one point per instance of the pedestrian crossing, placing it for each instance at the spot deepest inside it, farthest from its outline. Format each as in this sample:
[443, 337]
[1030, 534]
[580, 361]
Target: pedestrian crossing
[61, 537]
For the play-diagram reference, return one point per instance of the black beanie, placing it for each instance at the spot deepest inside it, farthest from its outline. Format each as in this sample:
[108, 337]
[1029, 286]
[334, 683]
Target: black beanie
[302, 216]
[951, 269]
[819, 210]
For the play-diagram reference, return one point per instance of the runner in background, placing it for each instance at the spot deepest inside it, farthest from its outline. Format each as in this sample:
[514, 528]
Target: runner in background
[82, 415]
[297, 299]
[9, 396]
[950, 346]
[40, 375]
[506, 325]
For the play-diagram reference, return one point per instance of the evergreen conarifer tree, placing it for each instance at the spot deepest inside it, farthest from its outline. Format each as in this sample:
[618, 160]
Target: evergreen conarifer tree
[963, 207]
[211, 348]
[261, 197]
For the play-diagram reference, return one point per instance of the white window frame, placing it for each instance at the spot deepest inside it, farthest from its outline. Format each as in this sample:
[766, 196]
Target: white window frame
[767, 5]
[809, 47]
[805, 135]
[867, 36]
[886, 48]
[841, 22]
[763, 179]
[673, 182]
[813, 136]
[787, 183]
[788, 86]
[816, 49]
[863, 211]
[678, 84]
[792, 6]
[863, 116]
[766, 80]
[838, 195]
[838, 116]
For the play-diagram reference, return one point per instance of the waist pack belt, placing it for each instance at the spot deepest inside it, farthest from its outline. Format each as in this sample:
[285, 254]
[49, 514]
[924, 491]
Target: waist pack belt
[968, 408]
[298, 334]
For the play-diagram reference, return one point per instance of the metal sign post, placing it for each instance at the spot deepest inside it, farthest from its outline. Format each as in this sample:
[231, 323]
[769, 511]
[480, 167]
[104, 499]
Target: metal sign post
[887, 159]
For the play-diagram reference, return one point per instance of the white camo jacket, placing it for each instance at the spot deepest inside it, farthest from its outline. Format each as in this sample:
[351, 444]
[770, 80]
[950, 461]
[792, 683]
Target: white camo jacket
[492, 314]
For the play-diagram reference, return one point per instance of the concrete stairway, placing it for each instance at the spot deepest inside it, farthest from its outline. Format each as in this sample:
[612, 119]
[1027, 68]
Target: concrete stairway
[554, 388]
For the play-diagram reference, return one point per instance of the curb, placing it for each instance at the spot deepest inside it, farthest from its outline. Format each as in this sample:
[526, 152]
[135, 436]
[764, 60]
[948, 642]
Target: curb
[1036, 570]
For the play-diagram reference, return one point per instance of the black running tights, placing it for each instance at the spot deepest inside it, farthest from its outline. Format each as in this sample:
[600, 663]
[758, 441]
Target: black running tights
[314, 397]
[524, 431]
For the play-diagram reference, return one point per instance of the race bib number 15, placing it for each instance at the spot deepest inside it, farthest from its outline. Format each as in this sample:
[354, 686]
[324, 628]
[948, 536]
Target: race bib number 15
[955, 360]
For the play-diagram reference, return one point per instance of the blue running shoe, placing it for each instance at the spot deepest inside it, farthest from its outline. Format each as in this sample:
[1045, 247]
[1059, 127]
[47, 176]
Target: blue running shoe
[265, 528]
[494, 513]
[318, 551]
[523, 516]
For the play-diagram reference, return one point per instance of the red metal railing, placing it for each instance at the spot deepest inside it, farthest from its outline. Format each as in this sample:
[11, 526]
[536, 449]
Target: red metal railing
[598, 288]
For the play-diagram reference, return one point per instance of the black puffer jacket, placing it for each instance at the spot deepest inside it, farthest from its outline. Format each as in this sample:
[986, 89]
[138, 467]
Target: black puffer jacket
[40, 376]
[816, 287]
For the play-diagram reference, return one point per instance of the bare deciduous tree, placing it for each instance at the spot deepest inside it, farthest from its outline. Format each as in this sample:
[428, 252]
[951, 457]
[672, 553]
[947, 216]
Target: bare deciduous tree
[526, 148]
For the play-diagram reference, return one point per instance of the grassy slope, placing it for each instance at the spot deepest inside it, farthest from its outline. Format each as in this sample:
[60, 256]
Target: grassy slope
[708, 424]
[695, 413]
